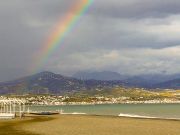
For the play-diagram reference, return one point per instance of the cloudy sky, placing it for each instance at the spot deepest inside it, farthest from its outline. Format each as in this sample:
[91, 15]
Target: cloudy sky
[126, 36]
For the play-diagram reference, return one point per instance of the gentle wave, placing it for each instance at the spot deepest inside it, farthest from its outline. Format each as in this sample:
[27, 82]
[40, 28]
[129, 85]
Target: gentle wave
[73, 113]
[145, 117]
[135, 116]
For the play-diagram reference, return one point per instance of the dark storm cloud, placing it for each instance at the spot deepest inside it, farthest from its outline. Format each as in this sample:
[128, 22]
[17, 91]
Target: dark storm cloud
[112, 35]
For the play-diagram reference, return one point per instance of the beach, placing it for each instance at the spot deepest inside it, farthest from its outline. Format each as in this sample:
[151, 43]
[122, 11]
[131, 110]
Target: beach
[88, 125]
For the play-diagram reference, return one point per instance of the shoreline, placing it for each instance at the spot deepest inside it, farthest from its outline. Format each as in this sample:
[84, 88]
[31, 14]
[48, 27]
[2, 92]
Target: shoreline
[141, 117]
[129, 116]
[123, 116]
[118, 113]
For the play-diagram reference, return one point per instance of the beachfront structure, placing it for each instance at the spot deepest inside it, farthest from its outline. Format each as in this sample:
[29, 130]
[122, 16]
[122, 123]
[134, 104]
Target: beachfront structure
[9, 108]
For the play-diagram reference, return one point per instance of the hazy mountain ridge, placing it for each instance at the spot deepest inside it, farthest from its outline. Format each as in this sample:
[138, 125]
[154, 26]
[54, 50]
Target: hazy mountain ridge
[50, 83]
[171, 84]
[47, 82]
[144, 80]
[103, 75]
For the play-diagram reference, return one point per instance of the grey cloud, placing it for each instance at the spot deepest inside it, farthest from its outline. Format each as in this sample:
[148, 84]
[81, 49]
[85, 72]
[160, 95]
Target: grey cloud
[119, 34]
[112, 35]
[136, 8]
[128, 61]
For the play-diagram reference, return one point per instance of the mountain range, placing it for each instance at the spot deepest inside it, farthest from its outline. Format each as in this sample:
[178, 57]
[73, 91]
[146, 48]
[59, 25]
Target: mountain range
[51, 83]
[48, 82]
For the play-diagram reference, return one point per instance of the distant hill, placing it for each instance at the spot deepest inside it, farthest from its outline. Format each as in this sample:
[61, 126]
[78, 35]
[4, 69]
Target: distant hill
[138, 81]
[48, 82]
[158, 78]
[104, 75]
[44, 82]
[171, 84]
[149, 80]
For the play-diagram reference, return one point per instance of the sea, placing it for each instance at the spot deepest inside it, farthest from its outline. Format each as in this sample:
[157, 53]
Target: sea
[165, 111]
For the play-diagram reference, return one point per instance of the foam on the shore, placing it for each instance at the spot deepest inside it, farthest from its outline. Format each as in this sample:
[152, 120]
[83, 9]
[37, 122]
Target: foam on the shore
[145, 117]
[136, 116]
[74, 113]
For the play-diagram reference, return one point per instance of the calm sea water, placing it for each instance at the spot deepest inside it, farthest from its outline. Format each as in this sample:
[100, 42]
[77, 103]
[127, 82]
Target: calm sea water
[152, 110]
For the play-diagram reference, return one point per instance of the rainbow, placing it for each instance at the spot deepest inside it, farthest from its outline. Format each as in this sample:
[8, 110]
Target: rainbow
[62, 29]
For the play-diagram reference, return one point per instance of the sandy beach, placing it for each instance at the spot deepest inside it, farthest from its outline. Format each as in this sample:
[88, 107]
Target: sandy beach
[88, 125]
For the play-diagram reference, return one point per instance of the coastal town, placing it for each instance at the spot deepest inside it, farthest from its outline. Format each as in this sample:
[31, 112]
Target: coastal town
[67, 100]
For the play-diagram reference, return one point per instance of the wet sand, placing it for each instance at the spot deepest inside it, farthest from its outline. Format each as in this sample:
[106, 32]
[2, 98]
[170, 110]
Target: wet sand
[88, 125]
